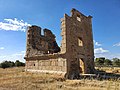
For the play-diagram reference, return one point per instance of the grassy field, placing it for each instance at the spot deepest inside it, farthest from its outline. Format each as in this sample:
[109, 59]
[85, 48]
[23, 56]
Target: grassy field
[110, 69]
[18, 79]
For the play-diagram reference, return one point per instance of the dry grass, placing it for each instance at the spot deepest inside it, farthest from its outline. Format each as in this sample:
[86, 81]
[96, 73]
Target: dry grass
[110, 69]
[18, 79]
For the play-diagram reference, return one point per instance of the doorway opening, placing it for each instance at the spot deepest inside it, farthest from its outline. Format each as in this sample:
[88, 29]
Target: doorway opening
[82, 65]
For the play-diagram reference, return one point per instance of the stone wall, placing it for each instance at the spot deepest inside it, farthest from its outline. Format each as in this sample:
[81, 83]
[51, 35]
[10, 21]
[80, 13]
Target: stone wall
[49, 62]
[76, 54]
[77, 43]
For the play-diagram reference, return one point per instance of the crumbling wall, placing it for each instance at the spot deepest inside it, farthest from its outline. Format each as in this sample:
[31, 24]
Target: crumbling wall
[42, 51]
[38, 44]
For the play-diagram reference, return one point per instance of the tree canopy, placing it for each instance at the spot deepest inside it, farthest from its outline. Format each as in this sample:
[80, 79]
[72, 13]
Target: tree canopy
[102, 61]
[7, 64]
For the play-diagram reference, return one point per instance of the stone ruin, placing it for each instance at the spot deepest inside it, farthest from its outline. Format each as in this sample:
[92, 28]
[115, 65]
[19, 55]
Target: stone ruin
[75, 56]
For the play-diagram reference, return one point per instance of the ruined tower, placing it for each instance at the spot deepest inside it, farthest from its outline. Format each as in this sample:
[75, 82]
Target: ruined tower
[74, 57]
[77, 43]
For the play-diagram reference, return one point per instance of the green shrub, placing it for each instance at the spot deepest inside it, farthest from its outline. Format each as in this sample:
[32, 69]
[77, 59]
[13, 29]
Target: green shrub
[18, 63]
[7, 64]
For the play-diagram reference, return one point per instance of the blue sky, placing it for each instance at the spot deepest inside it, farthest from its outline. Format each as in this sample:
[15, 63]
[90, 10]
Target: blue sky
[16, 15]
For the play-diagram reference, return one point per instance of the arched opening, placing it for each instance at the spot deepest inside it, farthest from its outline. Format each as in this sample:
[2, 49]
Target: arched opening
[82, 65]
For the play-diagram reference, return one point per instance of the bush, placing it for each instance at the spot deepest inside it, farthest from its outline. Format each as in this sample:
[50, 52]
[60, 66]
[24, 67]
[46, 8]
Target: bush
[18, 63]
[116, 62]
[99, 61]
[107, 62]
[7, 64]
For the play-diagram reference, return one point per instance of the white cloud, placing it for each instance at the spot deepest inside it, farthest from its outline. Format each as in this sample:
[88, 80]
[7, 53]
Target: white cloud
[97, 43]
[117, 44]
[2, 56]
[23, 52]
[108, 55]
[1, 48]
[14, 25]
[100, 50]
[13, 57]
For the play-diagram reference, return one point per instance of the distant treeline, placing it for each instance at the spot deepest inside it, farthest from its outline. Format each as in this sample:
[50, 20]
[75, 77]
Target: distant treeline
[7, 64]
[102, 61]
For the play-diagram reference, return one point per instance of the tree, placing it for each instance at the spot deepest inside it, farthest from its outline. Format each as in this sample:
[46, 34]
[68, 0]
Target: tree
[18, 63]
[99, 61]
[116, 62]
[7, 64]
[11, 63]
[4, 65]
[107, 62]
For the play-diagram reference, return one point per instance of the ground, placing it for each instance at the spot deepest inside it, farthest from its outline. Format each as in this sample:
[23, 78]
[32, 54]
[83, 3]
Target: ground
[18, 79]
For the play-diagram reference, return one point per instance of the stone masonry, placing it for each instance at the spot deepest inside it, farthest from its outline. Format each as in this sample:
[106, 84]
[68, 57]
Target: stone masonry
[74, 57]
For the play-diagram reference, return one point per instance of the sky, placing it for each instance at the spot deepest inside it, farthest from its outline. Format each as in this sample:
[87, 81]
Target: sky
[16, 15]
